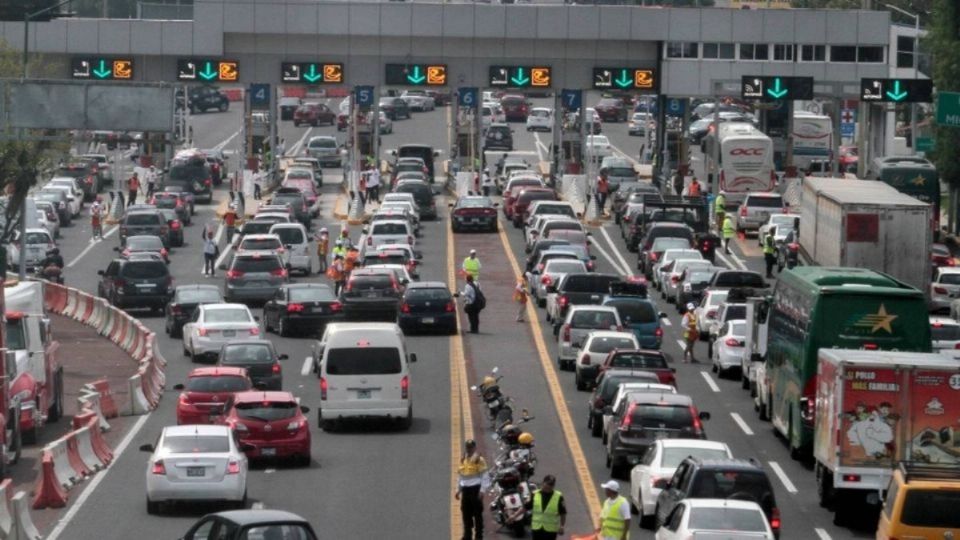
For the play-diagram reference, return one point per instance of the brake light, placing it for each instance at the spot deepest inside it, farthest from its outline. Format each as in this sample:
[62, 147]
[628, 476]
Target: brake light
[405, 308]
[654, 257]
[546, 280]
[870, 346]
[158, 467]
[409, 240]
[793, 246]
[731, 342]
[120, 283]
[279, 272]
[743, 211]
[674, 279]
[711, 313]
[540, 267]
[163, 252]
[275, 369]
[940, 290]
[585, 360]
[323, 388]
[808, 402]
[295, 425]
[294, 308]
[627, 418]
[176, 310]
[566, 332]
[254, 331]
[336, 307]
[175, 225]
[202, 332]
[449, 308]
[563, 301]
[775, 519]
[589, 265]
[126, 252]
[658, 333]
[369, 240]
[233, 467]
[697, 425]
[234, 274]
[207, 182]
[405, 387]
[851, 478]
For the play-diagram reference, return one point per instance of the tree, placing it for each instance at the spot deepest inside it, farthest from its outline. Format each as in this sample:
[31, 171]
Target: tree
[944, 46]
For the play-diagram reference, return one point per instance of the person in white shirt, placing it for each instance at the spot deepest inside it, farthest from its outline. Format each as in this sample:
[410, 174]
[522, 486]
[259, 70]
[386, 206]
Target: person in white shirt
[487, 183]
[373, 184]
[615, 515]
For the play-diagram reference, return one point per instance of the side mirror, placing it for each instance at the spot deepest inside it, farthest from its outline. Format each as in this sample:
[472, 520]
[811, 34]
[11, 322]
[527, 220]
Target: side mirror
[179, 386]
[704, 415]
[146, 448]
[413, 357]
[116, 248]
[304, 409]
[662, 483]
[283, 357]
[662, 315]
[99, 272]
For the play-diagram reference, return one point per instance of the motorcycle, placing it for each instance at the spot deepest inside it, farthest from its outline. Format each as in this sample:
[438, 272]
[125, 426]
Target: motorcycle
[494, 400]
[50, 273]
[511, 494]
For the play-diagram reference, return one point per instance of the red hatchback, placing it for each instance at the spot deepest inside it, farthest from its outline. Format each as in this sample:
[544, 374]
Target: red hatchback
[515, 108]
[523, 200]
[313, 114]
[207, 390]
[641, 360]
[272, 423]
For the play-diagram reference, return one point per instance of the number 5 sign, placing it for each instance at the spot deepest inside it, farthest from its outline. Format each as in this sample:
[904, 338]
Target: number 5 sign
[364, 96]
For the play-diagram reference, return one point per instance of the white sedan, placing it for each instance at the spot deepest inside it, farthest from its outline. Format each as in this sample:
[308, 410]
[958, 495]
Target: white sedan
[658, 466]
[707, 310]
[540, 119]
[417, 101]
[214, 325]
[728, 349]
[723, 518]
[598, 147]
[195, 463]
[783, 223]
[386, 124]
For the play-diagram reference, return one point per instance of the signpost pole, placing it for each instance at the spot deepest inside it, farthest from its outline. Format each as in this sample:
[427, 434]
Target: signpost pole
[837, 135]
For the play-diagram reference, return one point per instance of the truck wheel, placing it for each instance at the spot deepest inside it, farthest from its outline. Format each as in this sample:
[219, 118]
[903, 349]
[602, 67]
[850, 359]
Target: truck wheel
[29, 436]
[825, 490]
[56, 409]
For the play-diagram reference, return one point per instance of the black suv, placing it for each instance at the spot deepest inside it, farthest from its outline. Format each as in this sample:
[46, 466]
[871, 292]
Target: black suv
[260, 360]
[423, 195]
[646, 419]
[729, 279]
[205, 98]
[498, 137]
[697, 478]
[185, 299]
[394, 108]
[371, 295]
[191, 174]
[144, 223]
[85, 172]
[137, 282]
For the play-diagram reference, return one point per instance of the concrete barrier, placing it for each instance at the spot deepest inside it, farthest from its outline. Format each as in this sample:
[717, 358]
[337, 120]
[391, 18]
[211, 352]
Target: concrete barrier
[74, 457]
[25, 529]
[7, 517]
[66, 475]
[90, 401]
[138, 400]
[107, 404]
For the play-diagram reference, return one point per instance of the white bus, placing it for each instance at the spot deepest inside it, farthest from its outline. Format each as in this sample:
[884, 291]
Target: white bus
[812, 138]
[744, 162]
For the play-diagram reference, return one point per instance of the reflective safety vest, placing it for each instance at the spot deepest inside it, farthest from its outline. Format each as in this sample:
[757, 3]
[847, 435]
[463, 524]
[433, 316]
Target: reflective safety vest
[339, 250]
[768, 248]
[728, 230]
[323, 245]
[472, 266]
[611, 524]
[694, 189]
[719, 204]
[546, 519]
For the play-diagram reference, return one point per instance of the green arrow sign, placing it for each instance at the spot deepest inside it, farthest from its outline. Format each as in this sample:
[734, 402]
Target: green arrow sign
[103, 71]
[415, 77]
[897, 94]
[625, 80]
[208, 73]
[777, 91]
[311, 75]
[519, 79]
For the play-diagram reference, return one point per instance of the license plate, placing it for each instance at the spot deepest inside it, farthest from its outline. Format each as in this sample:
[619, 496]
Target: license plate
[371, 294]
[145, 285]
[427, 320]
[229, 333]
[764, 215]
[194, 472]
[268, 451]
[363, 394]
[474, 221]
[316, 309]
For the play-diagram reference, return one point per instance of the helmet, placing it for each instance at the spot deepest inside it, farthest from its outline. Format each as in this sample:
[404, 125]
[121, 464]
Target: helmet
[323, 230]
[508, 478]
[510, 434]
[525, 438]
[470, 443]
[339, 242]
[691, 306]
[488, 380]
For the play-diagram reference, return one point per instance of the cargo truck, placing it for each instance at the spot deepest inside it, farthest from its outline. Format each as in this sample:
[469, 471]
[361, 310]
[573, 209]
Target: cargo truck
[866, 224]
[9, 410]
[875, 409]
[37, 382]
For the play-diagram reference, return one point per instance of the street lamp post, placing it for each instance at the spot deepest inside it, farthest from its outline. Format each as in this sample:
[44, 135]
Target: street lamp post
[27, 17]
[916, 69]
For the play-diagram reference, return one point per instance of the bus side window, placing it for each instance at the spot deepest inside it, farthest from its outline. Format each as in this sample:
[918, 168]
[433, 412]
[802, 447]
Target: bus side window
[763, 311]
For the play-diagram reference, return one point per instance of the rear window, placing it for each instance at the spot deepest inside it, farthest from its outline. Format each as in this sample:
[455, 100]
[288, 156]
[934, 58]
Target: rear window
[598, 320]
[220, 383]
[387, 259]
[196, 170]
[261, 244]
[612, 384]
[143, 219]
[145, 243]
[144, 270]
[563, 226]
[196, 444]
[364, 361]
[421, 193]
[197, 296]
[765, 202]
[389, 228]
[638, 361]
[428, 294]
[607, 344]
[947, 332]
[287, 198]
[369, 282]
[931, 508]
[665, 243]
[323, 143]
[735, 312]
[251, 264]
[37, 238]
[256, 227]
[267, 411]
[727, 519]
[247, 354]
[673, 456]
[721, 484]
[595, 284]
[661, 416]
[560, 209]
[564, 267]
[226, 316]
[312, 294]
[950, 279]
[289, 235]
[636, 312]
[739, 279]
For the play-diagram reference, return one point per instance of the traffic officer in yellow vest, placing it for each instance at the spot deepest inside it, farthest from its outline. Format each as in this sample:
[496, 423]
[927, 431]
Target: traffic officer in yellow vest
[615, 515]
[548, 511]
[471, 265]
[472, 472]
[729, 231]
[769, 252]
[339, 249]
[720, 209]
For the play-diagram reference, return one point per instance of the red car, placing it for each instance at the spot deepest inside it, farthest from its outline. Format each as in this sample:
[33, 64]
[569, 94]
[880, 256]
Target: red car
[611, 110]
[849, 157]
[313, 114]
[515, 108]
[940, 256]
[272, 423]
[523, 200]
[643, 360]
[207, 390]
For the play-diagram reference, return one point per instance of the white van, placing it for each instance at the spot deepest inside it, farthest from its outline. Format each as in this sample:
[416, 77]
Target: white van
[296, 242]
[364, 373]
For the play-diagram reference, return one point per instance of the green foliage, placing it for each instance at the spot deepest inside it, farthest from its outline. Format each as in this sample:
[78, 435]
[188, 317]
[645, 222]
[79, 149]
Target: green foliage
[943, 44]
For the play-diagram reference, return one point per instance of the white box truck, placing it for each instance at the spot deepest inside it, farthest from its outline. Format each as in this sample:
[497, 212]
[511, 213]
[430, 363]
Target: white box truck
[866, 224]
[875, 409]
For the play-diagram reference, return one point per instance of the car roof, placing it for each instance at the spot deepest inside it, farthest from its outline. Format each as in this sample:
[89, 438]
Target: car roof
[669, 399]
[692, 443]
[196, 429]
[428, 285]
[252, 396]
[722, 503]
[213, 371]
[727, 463]
[223, 305]
[768, 194]
[941, 320]
[251, 516]
[592, 307]
[262, 236]
[610, 334]
[948, 270]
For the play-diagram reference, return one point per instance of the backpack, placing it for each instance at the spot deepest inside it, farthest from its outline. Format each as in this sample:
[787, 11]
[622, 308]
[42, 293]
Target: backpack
[480, 301]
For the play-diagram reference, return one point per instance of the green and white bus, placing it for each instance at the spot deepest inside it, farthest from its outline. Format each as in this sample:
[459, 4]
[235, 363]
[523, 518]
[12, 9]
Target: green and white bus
[814, 307]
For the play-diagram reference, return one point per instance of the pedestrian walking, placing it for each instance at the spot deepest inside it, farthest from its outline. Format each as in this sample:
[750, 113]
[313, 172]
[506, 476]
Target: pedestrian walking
[691, 332]
[520, 296]
[362, 188]
[345, 238]
[615, 515]
[678, 183]
[373, 185]
[133, 186]
[96, 218]
[230, 221]
[471, 266]
[323, 248]
[151, 181]
[476, 183]
[471, 479]
[257, 180]
[473, 303]
[729, 231]
[769, 251]
[695, 189]
[210, 252]
[548, 511]
[603, 189]
[339, 249]
[337, 274]
[487, 183]
[720, 209]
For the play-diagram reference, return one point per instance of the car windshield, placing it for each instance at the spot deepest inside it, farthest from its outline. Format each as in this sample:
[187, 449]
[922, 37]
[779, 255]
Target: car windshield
[368, 282]
[564, 267]
[783, 221]
[198, 296]
[612, 384]
[311, 294]
[765, 202]
[556, 209]
[253, 264]
[588, 283]
[700, 276]
[226, 315]
[950, 279]
[365, 361]
[247, 354]
[188, 171]
[143, 219]
[931, 508]
[267, 411]
[727, 519]
[672, 456]
[593, 319]
[257, 227]
[289, 235]
[661, 416]
[638, 360]
[389, 228]
[37, 238]
[634, 312]
[721, 484]
[735, 312]
[196, 444]
[218, 383]
[427, 295]
[607, 344]
[665, 243]
[261, 244]
[144, 270]
[621, 171]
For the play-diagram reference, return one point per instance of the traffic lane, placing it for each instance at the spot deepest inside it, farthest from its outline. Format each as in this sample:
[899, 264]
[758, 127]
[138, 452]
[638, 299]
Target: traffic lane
[217, 129]
[505, 343]
[338, 458]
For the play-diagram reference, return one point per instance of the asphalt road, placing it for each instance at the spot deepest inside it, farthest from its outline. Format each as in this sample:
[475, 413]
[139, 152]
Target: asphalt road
[372, 482]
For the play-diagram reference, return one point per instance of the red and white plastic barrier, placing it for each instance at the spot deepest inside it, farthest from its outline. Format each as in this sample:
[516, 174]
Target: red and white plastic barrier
[48, 492]
[24, 527]
[89, 400]
[108, 406]
[66, 475]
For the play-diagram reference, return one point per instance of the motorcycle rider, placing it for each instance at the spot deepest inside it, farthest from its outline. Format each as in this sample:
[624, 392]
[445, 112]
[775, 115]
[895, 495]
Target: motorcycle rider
[52, 266]
[548, 511]
[472, 472]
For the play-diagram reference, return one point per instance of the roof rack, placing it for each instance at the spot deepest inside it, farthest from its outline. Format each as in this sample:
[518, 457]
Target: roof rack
[926, 471]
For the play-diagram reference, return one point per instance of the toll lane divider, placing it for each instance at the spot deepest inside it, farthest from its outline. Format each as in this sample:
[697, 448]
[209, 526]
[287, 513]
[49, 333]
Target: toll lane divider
[15, 520]
[69, 460]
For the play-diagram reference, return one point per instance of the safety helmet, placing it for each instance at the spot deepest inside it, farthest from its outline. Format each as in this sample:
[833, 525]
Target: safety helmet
[470, 443]
[508, 477]
[525, 438]
[488, 380]
[339, 242]
[510, 434]
[691, 306]
[323, 230]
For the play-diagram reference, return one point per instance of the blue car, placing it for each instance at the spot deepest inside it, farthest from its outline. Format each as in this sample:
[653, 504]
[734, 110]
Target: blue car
[638, 314]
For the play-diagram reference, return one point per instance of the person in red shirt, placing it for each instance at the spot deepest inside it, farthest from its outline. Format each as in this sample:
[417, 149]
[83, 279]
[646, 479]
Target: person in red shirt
[230, 222]
[133, 186]
[603, 189]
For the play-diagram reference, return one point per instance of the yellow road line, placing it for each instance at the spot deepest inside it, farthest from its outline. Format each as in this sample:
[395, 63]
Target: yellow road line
[587, 484]
[461, 416]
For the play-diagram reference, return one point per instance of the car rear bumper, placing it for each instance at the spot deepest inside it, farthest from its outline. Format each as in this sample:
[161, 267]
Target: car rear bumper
[234, 292]
[389, 409]
[311, 320]
[427, 320]
[230, 488]
[141, 300]
[296, 446]
[384, 310]
[484, 222]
